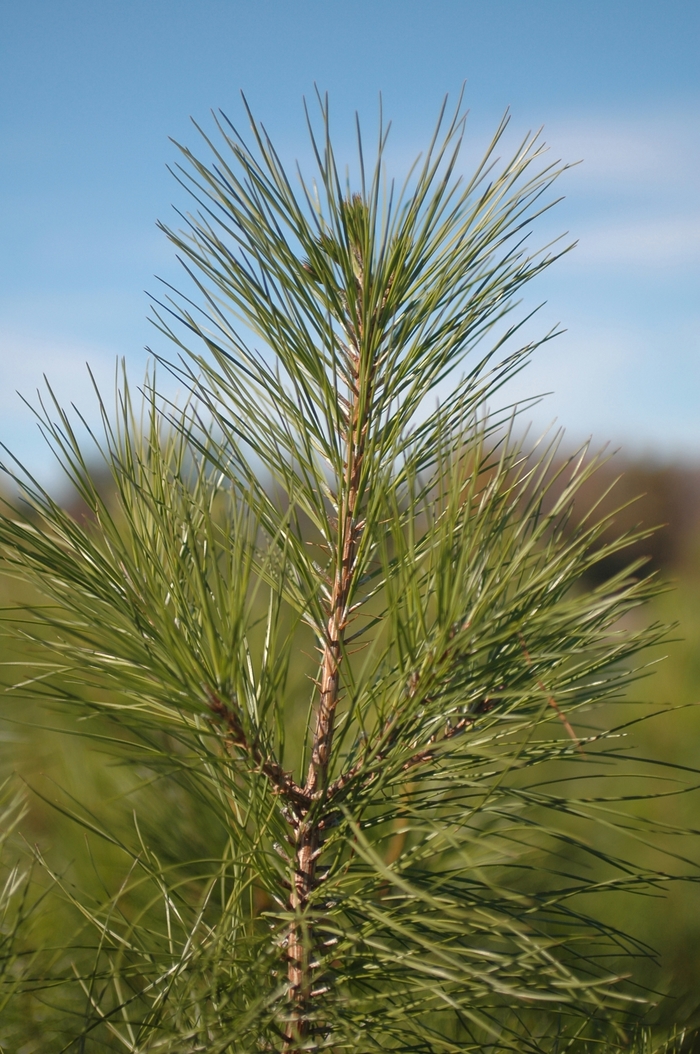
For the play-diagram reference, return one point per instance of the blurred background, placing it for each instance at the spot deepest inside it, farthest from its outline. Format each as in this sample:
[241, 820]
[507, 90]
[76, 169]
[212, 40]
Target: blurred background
[89, 96]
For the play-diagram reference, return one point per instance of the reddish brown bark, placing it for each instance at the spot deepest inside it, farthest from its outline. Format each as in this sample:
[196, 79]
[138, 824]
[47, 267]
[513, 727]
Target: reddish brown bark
[309, 831]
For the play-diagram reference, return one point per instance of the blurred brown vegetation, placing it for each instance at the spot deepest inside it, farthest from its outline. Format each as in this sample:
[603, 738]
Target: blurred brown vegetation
[665, 497]
[644, 494]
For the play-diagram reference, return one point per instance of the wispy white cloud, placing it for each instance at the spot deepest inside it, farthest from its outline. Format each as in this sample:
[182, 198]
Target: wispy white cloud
[26, 358]
[633, 200]
[28, 362]
[622, 382]
[649, 152]
[648, 241]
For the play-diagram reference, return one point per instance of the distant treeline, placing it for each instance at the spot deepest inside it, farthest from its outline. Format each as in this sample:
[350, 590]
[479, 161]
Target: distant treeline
[640, 493]
[666, 497]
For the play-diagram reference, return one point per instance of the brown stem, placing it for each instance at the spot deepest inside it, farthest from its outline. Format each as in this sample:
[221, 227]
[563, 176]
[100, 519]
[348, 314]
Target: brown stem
[309, 831]
[330, 662]
[298, 944]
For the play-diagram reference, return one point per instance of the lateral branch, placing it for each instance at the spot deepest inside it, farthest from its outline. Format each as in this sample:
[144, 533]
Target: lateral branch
[282, 781]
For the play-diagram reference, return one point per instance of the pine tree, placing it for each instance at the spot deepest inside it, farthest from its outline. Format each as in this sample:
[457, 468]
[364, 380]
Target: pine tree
[338, 615]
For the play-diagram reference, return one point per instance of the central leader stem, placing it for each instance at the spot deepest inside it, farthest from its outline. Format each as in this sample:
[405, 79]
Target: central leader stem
[308, 833]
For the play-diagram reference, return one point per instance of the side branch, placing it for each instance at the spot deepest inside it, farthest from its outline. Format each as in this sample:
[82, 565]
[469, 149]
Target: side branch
[551, 700]
[391, 733]
[282, 781]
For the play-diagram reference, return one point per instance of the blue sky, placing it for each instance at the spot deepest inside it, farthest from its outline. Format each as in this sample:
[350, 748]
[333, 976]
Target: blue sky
[91, 91]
